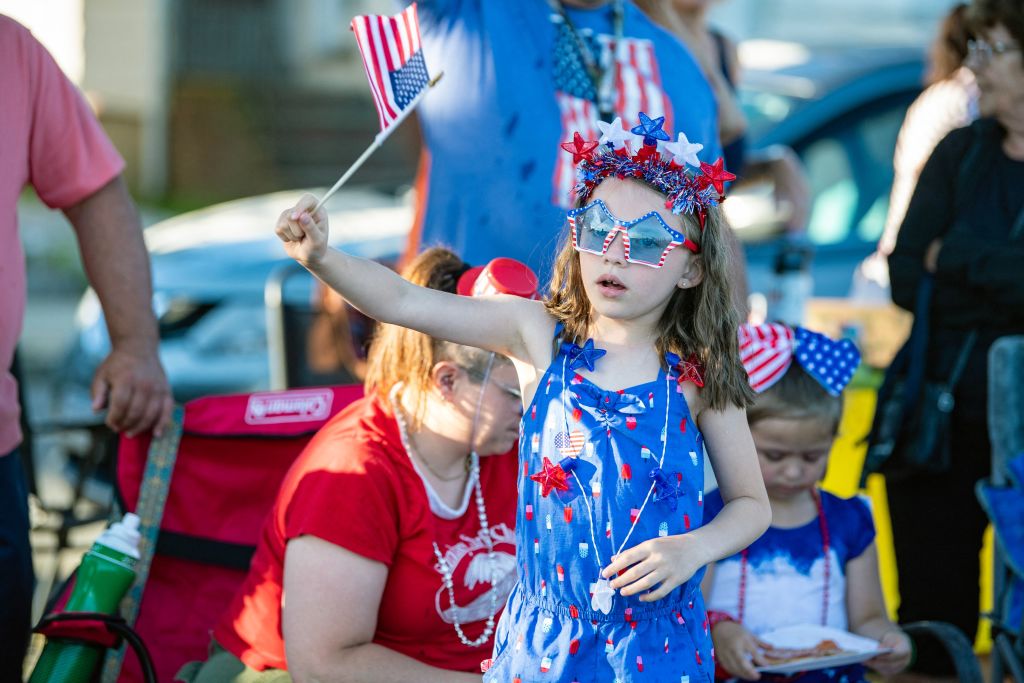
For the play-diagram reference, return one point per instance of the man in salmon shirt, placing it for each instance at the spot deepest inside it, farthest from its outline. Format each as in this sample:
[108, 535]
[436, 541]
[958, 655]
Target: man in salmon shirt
[51, 140]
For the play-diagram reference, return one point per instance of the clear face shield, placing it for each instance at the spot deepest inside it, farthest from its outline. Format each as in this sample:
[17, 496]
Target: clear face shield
[484, 379]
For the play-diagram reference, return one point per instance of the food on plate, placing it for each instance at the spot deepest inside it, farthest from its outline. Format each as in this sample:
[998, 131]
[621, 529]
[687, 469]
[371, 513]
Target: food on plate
[787, 655]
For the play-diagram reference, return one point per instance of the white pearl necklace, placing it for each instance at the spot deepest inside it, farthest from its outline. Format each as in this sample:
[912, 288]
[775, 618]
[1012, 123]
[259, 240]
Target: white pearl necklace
[446, 570]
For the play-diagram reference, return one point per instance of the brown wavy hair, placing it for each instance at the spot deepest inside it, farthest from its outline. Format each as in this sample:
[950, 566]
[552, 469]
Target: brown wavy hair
[399, 354]
[949, 49]
[797, 396]
[701, 321]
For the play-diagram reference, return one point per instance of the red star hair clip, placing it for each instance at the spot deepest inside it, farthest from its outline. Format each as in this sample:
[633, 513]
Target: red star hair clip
[551, 477]
[579, 148]
[690, 370]
[716, 175]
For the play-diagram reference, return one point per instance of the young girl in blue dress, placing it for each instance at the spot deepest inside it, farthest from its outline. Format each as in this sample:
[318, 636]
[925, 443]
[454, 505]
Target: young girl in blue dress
[817, 563]
[628, 370]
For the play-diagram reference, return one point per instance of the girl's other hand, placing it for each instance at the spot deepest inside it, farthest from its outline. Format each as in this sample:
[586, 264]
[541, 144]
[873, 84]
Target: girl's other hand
[304, 235]
[737, 650]
[895, 661]
[659, 565]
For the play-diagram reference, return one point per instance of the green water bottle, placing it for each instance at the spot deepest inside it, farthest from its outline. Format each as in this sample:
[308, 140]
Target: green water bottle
[103, 578]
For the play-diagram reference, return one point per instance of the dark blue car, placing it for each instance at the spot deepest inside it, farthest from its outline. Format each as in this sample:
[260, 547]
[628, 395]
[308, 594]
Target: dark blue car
[840, 109]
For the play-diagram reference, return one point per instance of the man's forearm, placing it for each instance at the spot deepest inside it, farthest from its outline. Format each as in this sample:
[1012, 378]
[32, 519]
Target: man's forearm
[116, 263]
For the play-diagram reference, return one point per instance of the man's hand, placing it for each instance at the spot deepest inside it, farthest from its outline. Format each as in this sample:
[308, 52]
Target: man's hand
[130, 382]
[659, 565]
[737, 650]
[132, 386]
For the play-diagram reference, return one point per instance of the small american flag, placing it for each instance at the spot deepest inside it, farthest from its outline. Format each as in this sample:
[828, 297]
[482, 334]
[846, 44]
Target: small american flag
[393, 58]
[569, 444]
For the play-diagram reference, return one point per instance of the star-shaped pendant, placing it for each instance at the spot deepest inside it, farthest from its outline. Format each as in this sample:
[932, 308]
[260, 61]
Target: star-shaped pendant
[584, 356]
[551, 477]
[651, 129]
[601, 596]
[683, 151]
[579, 148]
[614, 134]
[716, 175]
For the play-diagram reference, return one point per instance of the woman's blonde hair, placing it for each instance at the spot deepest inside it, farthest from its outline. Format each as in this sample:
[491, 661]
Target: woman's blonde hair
[701, 321]
[401, 355]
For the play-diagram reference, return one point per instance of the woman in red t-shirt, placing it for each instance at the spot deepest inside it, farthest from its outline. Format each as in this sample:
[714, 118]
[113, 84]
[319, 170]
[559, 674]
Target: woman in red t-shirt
[382, 559]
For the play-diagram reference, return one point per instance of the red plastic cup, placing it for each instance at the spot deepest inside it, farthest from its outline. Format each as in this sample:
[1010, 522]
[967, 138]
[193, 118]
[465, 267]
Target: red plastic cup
[500, 276]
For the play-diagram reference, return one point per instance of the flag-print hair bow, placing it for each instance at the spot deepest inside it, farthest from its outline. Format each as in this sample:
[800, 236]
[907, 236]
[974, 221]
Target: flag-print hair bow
[768, 350]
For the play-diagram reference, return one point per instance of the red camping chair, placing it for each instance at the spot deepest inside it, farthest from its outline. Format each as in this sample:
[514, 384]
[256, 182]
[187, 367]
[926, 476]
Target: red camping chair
[227, 463]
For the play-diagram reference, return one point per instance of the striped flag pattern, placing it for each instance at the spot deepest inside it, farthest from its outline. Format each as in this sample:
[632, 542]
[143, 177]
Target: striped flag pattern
[569, 443]
[638, 88]
[766, 352]
[393, 58]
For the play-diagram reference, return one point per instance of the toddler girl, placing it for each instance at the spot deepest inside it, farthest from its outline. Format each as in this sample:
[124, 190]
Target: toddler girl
[817, 563]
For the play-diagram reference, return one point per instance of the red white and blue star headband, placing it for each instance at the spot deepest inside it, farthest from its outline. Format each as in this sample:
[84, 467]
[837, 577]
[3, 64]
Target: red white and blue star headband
[768, 350]
[645, 152]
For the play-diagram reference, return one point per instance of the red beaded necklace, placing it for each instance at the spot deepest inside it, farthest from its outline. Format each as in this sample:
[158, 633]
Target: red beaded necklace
[823, 523]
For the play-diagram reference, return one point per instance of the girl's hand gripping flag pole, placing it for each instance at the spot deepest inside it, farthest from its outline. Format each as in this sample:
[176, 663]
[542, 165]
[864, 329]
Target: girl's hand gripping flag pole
[393, 57]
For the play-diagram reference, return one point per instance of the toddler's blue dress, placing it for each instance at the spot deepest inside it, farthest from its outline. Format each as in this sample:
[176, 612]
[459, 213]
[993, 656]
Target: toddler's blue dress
[622, 467]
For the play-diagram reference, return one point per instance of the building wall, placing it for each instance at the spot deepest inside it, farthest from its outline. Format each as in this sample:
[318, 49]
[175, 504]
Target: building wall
[127, 67]
[57, 24]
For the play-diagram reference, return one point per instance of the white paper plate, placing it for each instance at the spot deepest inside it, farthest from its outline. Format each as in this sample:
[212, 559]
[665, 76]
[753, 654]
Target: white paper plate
[859, 649]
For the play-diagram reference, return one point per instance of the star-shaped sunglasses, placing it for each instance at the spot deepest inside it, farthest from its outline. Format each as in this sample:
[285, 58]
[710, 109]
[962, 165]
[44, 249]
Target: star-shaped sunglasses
[646, 240]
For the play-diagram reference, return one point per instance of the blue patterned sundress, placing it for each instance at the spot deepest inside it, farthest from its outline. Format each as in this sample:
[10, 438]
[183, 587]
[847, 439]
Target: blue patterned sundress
[633, 470]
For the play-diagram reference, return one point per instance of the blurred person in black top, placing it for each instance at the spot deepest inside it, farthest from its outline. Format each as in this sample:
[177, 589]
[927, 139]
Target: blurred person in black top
[965, 225]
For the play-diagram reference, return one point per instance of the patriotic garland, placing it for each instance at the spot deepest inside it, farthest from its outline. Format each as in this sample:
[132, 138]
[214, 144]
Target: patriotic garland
[657, 161]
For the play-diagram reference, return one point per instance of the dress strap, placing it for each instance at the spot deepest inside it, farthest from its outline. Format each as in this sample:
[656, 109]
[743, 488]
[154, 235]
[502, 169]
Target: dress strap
[559, 328]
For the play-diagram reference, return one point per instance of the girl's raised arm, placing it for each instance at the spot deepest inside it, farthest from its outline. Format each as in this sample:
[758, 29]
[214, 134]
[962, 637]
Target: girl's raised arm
[497, 323]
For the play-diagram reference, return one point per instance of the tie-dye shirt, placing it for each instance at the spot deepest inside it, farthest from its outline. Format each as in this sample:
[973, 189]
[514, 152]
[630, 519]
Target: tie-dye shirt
[786, 568]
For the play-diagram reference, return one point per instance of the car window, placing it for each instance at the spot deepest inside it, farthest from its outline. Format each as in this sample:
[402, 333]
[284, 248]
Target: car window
[849, 164]
[764, 109]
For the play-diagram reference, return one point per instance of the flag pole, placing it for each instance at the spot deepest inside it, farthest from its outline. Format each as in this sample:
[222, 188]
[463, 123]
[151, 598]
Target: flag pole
[377, 142]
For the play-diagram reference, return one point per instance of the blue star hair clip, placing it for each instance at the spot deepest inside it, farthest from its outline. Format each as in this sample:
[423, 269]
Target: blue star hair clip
[666, 487]
[651, 130]
[582, 356]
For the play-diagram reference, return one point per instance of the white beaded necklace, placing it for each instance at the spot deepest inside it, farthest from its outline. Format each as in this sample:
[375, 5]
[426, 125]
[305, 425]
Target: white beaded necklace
[446, 569]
